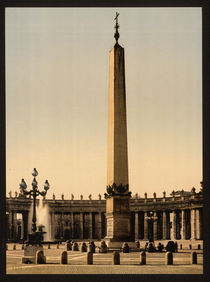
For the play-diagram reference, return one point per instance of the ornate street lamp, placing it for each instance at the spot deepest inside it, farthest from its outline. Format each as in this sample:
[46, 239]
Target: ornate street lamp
[151, 218]
[34, 192]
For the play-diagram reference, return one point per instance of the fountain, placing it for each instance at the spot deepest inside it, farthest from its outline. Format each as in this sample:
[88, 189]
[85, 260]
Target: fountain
[43, 218]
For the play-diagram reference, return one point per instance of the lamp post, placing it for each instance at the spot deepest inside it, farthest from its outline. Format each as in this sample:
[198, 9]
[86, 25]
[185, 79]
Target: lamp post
[151, 218]
[34, 192]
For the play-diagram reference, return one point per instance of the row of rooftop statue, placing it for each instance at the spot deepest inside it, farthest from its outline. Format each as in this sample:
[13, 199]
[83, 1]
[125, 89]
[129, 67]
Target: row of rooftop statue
[173, 194]
[53, 196]
[103, 248]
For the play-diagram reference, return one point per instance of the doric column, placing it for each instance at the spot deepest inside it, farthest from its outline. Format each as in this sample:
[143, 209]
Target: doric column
[198, 225]
[178, 225]
[193, 223]
[14, 225]
[201, 223]
[22, 227]
[155, 223]
[172, 225]
[10, 224]
[136, 225]
[62, 225]
[90, 225]
[164, 226]
[81, 225]
[72, 225]
[25, 223]
[52, 229]
[145, 226]
[183, 225]
[99, 225]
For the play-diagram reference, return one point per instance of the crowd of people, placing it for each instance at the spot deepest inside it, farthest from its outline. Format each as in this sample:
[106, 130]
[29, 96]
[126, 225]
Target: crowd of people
[171, 247]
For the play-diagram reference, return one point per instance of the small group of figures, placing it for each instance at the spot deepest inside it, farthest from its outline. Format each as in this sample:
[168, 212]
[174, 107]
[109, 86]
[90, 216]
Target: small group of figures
[71, 245]
[170, 247]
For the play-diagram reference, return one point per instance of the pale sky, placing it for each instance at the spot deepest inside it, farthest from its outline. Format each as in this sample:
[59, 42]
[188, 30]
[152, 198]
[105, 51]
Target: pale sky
[57, 64]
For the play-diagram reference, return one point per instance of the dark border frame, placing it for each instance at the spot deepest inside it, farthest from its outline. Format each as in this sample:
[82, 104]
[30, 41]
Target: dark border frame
[206, 139]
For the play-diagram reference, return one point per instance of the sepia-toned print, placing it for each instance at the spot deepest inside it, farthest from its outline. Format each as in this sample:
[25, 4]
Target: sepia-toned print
[104, 141]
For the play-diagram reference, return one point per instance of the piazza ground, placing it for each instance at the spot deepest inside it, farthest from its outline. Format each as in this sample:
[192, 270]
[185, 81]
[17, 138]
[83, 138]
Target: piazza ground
[102, 263]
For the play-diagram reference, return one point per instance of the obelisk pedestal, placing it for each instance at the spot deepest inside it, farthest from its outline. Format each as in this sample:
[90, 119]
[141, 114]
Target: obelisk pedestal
[118, 218]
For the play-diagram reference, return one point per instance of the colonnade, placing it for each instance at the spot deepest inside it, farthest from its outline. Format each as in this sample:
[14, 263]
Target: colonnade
[174, 225]
[17, 228]
[77, 225]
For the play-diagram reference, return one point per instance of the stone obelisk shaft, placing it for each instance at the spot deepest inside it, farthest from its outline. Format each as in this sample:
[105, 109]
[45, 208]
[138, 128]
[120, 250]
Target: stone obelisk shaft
[117, 129]
[118, 195]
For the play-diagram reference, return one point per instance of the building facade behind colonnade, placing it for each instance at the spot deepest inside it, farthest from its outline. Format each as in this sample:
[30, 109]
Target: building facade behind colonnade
[180, 216]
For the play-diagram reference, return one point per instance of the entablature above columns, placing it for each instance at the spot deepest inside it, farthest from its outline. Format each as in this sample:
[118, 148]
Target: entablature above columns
[167, 204]
[20, 204]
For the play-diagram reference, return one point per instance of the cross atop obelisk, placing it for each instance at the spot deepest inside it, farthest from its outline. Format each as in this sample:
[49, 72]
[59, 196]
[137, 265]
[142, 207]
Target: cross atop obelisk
[116, 35]
[118, 195]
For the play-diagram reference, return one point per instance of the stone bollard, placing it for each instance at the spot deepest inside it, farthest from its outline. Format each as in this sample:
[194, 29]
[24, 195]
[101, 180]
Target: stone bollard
[190, 246]
[83, 247]
[23, 246]
[48, 246]
[180, 247]
[169, 258]
[57, 246]
[194, 258]
[75, 247]
[14, 247]
[143, 258]
[89, 258]
[40, 258]
[115, 258]
[125, 248]
[64, 257]
[199, 246]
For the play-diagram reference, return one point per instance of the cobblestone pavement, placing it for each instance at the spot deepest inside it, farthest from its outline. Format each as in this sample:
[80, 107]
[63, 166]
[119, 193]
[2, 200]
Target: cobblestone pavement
[102, 263]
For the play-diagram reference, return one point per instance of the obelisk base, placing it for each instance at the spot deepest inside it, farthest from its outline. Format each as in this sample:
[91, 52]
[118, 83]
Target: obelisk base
[118, 230]
[118, 226]
[118, 218]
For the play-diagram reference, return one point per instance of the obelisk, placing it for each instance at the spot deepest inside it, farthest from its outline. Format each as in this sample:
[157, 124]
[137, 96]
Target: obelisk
[118, 195]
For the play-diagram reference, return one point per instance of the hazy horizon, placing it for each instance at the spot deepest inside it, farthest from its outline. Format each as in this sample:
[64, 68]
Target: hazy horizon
[57, 74]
